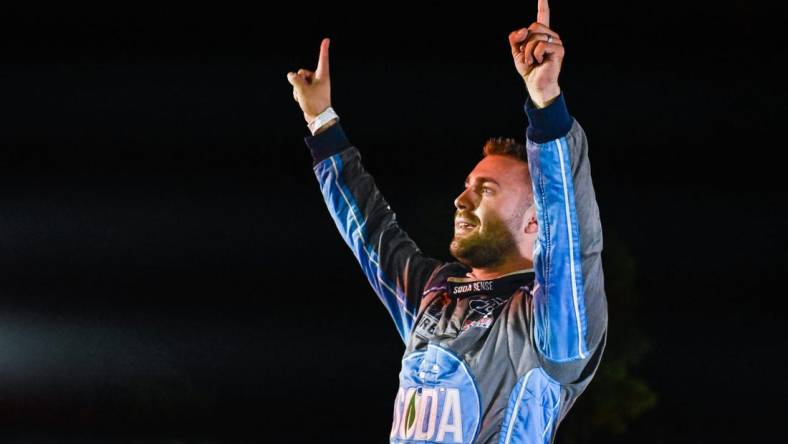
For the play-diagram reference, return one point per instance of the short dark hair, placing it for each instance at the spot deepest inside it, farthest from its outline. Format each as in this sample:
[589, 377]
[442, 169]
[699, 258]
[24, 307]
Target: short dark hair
[505, 146]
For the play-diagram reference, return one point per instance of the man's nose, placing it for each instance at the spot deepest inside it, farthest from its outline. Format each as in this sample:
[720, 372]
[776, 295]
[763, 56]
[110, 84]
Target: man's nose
[463, 201]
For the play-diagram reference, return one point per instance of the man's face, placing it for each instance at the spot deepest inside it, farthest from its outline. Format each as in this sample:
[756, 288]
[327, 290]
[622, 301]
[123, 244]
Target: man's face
[494, 202]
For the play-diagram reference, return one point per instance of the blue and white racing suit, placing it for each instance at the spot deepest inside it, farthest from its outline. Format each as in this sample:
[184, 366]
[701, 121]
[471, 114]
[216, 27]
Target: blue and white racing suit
[500, 360]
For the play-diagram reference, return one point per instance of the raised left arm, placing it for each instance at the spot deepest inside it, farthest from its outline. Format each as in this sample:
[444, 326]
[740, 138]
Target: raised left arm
[570, 307]
[569, 304]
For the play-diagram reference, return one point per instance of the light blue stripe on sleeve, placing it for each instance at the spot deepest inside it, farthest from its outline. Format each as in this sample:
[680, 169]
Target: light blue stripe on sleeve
[352, 226]
[558, 297]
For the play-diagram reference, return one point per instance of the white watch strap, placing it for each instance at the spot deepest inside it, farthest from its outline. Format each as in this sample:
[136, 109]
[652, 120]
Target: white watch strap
[322, 119]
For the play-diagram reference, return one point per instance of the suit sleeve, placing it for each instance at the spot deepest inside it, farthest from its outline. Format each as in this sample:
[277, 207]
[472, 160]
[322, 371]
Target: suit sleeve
[570, 307]
[391, 261]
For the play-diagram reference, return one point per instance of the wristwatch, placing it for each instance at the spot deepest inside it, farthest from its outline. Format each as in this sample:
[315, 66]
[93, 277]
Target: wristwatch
[322, 119]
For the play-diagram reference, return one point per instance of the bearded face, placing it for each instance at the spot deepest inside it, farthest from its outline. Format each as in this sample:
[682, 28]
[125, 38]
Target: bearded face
[482, 244]
[490, 228]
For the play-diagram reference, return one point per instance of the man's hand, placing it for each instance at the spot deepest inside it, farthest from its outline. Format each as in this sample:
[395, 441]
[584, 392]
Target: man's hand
[312, 90]
[537, 51]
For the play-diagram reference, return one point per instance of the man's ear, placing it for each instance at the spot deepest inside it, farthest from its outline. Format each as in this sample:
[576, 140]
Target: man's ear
[531, 225]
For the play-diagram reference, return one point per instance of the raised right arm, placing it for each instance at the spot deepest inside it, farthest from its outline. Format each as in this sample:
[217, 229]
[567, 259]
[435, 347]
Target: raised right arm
[391, 261]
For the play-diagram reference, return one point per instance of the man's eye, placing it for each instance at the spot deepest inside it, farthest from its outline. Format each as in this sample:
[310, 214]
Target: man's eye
[485, 189]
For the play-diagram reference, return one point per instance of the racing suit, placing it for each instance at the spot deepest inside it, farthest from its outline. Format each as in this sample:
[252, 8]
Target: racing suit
[498, 360]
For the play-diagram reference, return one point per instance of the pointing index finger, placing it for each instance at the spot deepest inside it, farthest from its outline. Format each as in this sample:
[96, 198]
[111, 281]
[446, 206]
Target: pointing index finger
[543, 13]
[322, 63]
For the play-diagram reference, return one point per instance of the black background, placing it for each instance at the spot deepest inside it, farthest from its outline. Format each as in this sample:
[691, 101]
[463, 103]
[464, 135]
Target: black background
[168, 270]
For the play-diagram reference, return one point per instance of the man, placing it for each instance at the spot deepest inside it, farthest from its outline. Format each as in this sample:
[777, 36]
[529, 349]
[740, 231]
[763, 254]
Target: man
[500, 343]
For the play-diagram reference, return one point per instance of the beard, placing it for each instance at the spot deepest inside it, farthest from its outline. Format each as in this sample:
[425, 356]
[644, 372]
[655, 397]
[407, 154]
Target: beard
[484, 247]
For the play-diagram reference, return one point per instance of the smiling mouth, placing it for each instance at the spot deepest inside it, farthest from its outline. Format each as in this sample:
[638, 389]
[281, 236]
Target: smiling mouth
[464, 226]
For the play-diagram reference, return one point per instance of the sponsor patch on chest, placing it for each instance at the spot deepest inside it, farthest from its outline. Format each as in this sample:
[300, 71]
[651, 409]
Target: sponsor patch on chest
[458, 289]
[484, 322]
[482, 311]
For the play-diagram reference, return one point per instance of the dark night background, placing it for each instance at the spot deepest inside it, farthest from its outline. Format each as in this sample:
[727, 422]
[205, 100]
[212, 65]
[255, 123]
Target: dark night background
[169, 272]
